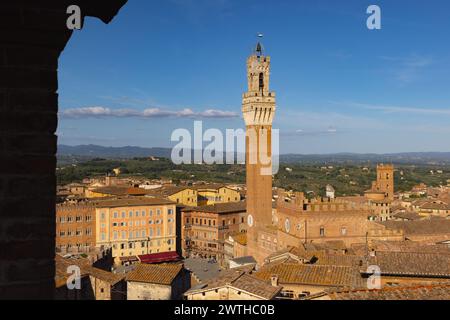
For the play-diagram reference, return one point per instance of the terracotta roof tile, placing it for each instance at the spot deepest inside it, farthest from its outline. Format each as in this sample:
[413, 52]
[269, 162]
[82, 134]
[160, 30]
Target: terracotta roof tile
[294, 273]
[221, 208]
[412, 263]
[159, 274]
[418, 292]
[240, 279]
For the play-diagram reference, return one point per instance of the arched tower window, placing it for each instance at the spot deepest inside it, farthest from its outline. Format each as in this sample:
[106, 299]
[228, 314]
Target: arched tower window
[261, 81]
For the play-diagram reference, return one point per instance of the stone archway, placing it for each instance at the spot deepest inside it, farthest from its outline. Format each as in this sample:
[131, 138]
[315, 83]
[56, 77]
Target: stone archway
[32, 36]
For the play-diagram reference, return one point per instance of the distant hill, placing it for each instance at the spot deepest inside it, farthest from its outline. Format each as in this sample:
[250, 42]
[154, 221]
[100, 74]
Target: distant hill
[430, 158]
[86, 152]
[94, 151]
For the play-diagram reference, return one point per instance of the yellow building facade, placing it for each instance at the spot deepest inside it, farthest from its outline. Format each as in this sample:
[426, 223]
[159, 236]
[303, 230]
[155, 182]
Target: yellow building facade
[136, 226]
[209, 195]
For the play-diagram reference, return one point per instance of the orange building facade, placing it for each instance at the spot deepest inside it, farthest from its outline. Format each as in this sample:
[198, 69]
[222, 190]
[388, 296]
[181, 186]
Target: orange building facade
[75, 228]
[205, 229]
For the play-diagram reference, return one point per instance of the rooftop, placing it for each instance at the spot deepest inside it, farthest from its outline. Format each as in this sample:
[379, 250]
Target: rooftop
[240, 280]
[121, 191]
[416, 292]
[163, 274]
[412, 263]
[321, 275]
[221, 208]
[420, 227]
[133, 202]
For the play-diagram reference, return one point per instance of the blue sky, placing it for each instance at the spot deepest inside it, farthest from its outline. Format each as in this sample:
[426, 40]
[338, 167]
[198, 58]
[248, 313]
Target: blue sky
[340, 87]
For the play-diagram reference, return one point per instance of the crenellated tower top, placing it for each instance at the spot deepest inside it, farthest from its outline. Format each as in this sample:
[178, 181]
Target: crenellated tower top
[258, 103]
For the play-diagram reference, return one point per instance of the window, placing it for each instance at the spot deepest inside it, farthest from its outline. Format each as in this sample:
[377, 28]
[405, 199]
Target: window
[130, 214]
[158, 232]
[88, 218]
[151, 213]
[124, 234]
[344, 231]
[116, 215]
[62, 233]
[115, 235]
[170, 211]
[143, 213]
[322, 231]
[158, 212]
[89, 232]
[78, 218]
[137, 214]
[79, 233]
[123, 214]
[144, 234]
[62, 219]
[102, 216]
[287, 294]
[103, 236]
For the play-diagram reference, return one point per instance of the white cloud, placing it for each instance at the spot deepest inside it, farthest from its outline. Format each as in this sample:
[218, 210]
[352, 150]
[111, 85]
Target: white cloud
[405, 110]
[408, 69]
[105, 112]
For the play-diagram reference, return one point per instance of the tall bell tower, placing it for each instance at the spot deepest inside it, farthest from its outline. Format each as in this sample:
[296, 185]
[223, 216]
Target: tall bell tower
[258, 108]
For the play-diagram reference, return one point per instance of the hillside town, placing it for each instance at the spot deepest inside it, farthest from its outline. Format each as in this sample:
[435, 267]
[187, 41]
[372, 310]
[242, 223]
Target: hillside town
[139, 239]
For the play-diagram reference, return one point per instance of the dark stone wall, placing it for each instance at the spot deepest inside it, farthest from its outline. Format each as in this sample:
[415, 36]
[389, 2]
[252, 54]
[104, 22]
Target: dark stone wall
[32, 36]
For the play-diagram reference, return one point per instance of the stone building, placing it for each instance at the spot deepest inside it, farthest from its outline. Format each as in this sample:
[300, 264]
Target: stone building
[32, 36]
[135, 226]
[302, 221]
[301, 280]
[234, 284]
[96, 284]
[158, 282]
[213, 193]
[199, 195]
[206, 228]
[384, 184]
[235, 246]
[75, 228]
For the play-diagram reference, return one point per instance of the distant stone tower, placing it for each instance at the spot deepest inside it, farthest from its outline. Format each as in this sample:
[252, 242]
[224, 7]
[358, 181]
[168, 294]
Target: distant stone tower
[385, 180]
[258, 108]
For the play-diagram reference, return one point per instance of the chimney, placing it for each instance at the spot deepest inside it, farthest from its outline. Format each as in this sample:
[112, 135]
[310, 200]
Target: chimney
[274, 280]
